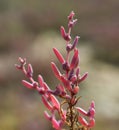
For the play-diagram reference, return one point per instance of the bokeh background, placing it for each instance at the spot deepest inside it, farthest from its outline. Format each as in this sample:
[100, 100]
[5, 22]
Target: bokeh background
[30, 28]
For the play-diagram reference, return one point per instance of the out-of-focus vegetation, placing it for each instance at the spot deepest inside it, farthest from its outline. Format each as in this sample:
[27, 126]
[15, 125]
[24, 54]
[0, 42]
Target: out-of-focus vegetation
[30, 28]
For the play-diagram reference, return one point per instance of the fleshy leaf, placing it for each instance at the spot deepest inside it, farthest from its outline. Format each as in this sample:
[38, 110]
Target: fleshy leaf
[59, 56]
[27, 84]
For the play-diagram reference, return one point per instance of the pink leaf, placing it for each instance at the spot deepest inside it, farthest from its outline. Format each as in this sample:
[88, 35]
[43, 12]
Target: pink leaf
[47, 116]
[83, 77]
[66, 36]
[91, 123]
[27, 84]
[55, 102]
[83, 121]
[62, 89]
[46, 103]
[71, 15]
[59, 56]
[40, 80]
[45, 86]
[66, 83]
[92, 104]
[55, 123]
[22, 61]
[91, 112]
[75, 42]
[30, 70]
[77, 71]
[19, 67]
[82, 111]
[75, 59]
[55, 70]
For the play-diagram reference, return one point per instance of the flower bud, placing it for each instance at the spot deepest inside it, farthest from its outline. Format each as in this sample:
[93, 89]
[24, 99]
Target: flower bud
[75, 89]
[65, 66]
[72, 23]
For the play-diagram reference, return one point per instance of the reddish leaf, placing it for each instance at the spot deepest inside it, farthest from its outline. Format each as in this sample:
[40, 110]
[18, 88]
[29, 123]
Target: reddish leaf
[46, 103]
[71, 15]
[75, 59]
[66, 83]
[27, 84]
[83, 121]
[55, 70]
[30, 70]
[59, 56]
[55, 102]
[47, 116]
[80, 110]
[66, 36]
[91, 123]
[40, 80]
[55, 123]
[83, 77]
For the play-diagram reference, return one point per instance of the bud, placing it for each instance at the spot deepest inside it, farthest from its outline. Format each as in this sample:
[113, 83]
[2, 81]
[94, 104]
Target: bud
[68, 47]
[72, 23]
[75, 89]
[73, 79]
[65, 66]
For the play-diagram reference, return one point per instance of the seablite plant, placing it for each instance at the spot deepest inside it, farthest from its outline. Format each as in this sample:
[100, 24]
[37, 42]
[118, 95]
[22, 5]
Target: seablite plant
[63, 114]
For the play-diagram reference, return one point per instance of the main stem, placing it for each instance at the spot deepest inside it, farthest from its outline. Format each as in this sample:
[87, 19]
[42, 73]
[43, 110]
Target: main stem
[71, 113]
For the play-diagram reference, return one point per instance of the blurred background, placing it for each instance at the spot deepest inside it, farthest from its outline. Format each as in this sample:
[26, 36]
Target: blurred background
[30, 28]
